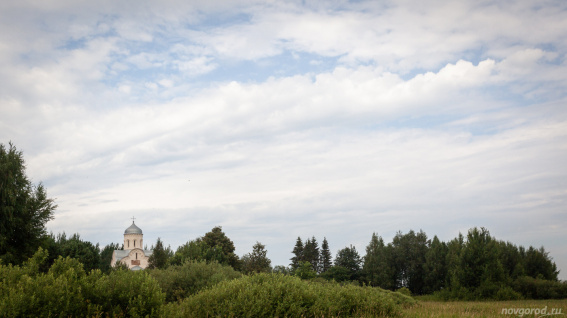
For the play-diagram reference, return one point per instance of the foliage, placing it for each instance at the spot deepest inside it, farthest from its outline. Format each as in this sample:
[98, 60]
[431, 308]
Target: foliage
[311, 253]
[473, 267]
[408, 257]
[68, 290]
[404, 291]
[479, 259]
[216, 239]
[24, 209]
[74, 247]
[276, 295]
[377, 270]
[535, 288]
[197, 250]
[435, 266]
[282, 270]
[297, 258]
[106, 257]
[538, 264]
[348, 258]
[325, 258]
[337, 273]
[257, 261]
[160, 256]
[305, 271]
[179, 282]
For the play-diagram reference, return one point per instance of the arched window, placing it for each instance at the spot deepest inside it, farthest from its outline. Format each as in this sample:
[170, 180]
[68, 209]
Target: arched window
[134, 243]
[128, 243]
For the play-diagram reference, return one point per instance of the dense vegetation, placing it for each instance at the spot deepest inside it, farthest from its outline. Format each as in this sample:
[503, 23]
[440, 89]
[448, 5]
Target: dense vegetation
[277, 295]
[52, 275]
[67, 290]
[475, 267]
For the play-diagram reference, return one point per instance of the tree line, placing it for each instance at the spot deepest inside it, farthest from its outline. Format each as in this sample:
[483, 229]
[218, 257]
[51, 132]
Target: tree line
[477, 266]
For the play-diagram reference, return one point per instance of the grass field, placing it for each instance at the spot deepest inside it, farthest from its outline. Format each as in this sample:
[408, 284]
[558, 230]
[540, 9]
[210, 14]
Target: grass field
[519, 308]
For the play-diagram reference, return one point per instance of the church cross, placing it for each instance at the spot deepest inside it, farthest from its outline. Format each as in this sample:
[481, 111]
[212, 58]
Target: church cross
[133, 219]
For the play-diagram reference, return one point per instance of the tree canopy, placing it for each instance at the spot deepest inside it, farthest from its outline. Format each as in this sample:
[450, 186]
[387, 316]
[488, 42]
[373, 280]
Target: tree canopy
[24, 208]
[257, 261]
[217, 239]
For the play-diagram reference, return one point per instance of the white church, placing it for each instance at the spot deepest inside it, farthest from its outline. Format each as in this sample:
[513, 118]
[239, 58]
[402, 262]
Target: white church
[133, 255]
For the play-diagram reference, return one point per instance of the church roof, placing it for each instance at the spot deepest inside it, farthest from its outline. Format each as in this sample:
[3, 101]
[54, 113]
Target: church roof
[120, 254]
[133, 229]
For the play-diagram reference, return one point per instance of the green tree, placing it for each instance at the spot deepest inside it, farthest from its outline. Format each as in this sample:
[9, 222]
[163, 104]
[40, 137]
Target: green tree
[257, 261]
[297, 258]
[282, 270]
[408, 258]
[511, 259]
[217, 239]
[480, 269]
[160, 256]
[84, 251]
[349, 258]
[376, 269]
[435, 266]
[106, 257]
[453, 261]
[24, 209]
[337, 273]
[197, 250]
[305, 271]
[326, 259]
[538, 264]
[311, 253]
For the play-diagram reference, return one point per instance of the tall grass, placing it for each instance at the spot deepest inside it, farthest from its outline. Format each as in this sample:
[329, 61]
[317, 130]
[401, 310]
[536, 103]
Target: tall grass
[448, 309]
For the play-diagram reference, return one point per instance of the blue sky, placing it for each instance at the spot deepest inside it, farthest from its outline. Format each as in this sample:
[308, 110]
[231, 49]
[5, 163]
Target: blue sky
[330, 119]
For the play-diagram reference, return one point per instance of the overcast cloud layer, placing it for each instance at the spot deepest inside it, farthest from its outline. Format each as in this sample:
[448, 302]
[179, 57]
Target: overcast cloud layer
[284, 119]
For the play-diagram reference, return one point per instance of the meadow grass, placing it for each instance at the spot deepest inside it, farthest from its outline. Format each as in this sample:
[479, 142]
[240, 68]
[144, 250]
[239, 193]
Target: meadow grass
[430, 308]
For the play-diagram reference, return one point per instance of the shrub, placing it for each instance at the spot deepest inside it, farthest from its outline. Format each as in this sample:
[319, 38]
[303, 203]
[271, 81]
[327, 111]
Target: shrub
[276, 295]
[507, 293]
[535, 288]
[179, 282]
[404, 291]
[66, 290]
[27, 292]
[125, 292]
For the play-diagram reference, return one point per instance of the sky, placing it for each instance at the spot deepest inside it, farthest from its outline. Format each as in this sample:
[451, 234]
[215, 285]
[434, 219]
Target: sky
[278, 119]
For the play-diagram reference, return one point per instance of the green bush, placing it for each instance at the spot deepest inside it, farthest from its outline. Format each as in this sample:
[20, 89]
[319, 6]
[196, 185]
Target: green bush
[404, 291]
[535, 288]
[179, 282]
[125, 292]
[507, 293]
[66, 290]
[277, 295]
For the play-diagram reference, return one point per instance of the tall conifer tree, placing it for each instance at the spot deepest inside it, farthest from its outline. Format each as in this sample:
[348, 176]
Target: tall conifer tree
[311, 253]
[325, 258]
[298, 254]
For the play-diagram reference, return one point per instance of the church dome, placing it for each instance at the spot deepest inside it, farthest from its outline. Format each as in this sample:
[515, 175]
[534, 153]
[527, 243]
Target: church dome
[133, 229]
